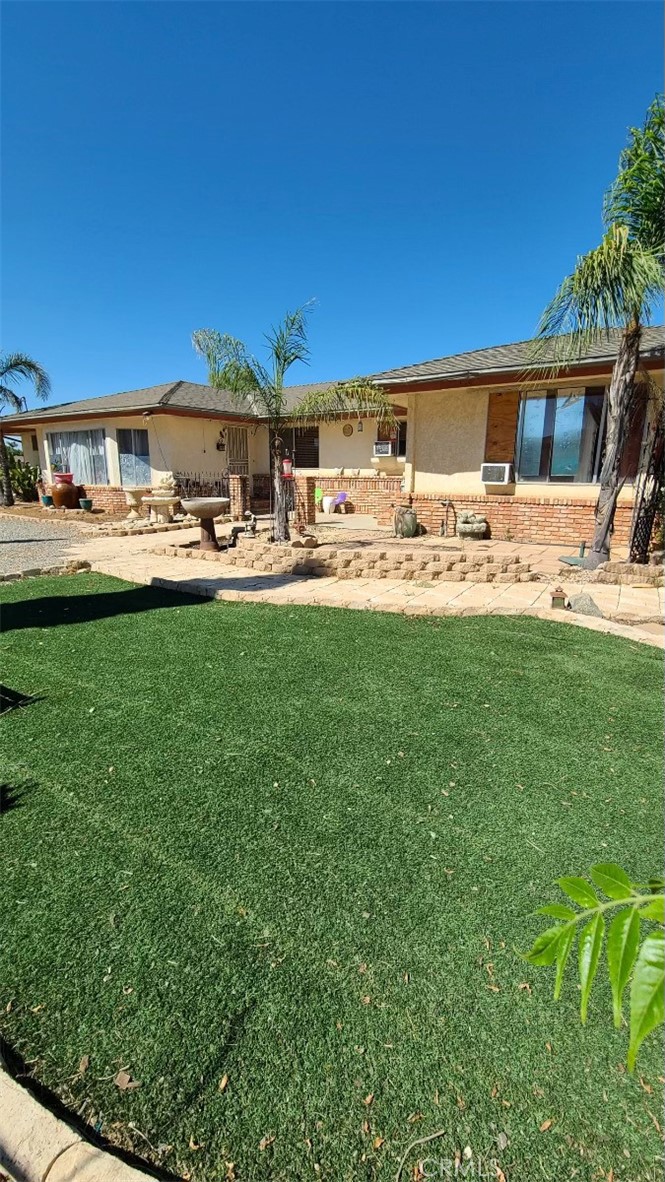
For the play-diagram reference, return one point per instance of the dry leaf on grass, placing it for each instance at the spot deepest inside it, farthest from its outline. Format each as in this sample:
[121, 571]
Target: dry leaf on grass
[223, 1083]
[266, 1141]
[547, 1124]
[124, 1081]
[195, 1144]
[500, 1176]
[378, 1142]
[369, 1099]
[84, 1064]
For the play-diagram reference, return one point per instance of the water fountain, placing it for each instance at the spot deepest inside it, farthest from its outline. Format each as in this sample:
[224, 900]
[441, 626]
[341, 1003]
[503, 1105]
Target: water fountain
[163, 500]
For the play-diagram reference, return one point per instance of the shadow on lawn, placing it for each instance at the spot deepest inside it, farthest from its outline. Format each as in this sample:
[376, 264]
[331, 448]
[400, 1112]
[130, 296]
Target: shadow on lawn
[18, 1069]
[50, 611]
[11, 795]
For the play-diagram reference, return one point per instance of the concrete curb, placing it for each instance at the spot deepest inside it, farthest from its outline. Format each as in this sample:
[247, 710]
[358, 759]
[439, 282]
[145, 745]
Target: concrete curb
[36, 1146]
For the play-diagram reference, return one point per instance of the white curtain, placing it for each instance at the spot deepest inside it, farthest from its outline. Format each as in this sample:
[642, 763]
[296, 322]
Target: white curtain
[82, 453]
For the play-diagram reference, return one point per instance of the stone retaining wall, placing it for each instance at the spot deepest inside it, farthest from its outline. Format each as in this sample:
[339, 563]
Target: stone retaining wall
[368, 563]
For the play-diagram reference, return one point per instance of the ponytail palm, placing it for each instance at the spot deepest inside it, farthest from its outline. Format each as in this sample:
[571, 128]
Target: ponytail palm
[16, 367]
[615, 286]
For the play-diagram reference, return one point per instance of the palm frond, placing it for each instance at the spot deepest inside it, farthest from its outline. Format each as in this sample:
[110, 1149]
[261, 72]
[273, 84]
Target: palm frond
[15, 367]
[288, 342]
[613, 286]
[230, 366]
[356, 396]
[636, 199]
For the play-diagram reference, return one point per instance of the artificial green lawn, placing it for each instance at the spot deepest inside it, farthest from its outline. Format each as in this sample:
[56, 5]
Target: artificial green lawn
[298, 847]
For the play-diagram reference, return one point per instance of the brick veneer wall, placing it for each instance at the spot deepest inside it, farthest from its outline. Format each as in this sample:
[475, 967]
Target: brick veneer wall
[239, 495]
[105, 496]
[525, 519]
[365, 494]
[528, 519]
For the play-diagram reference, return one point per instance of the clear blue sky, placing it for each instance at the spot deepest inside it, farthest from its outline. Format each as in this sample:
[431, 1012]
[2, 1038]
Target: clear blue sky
[427, 171]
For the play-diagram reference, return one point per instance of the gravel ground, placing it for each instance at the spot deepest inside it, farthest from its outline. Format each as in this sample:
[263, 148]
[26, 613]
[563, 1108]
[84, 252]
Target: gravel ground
[27, 544]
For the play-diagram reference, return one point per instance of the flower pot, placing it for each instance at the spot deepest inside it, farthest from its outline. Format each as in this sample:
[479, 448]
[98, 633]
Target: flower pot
[85, 503]
[47, 500]
[63, 477]
[65, 495]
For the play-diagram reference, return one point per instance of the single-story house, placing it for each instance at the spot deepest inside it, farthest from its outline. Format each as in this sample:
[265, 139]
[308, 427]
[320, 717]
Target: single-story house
[471, 434]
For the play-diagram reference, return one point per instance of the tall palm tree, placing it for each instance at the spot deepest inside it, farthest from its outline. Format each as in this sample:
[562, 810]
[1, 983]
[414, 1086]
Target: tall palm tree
[261, 388]
[16, 367]
[616, 286]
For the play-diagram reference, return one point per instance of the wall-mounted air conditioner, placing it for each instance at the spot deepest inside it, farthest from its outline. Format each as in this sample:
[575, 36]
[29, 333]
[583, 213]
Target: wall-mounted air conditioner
[497, 473]
[384, 447]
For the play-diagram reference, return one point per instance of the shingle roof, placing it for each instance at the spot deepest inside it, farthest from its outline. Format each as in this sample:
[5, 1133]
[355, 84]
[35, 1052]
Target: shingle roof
[198, 397]
[513, 358]
[188, 395]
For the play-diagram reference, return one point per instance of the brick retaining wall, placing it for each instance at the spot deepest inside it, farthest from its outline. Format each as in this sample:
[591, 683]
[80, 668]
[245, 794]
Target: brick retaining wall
[527, 519]
[105, 496]
[557, 521]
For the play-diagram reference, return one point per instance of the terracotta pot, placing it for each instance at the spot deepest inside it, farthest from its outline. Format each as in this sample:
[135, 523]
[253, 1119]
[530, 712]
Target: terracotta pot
[65, 495]
[63, 477]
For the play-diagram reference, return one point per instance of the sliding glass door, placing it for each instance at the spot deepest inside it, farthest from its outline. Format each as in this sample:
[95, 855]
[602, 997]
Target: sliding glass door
[134, 458]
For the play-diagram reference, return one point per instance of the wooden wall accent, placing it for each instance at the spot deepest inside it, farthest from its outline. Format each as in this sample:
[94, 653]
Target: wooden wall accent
[502, 415]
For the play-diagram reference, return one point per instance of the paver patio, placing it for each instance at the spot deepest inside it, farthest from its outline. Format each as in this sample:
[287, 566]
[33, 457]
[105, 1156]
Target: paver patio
[133, 559]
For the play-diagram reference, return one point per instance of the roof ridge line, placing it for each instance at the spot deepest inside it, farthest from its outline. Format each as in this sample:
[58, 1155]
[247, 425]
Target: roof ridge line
[165, 398]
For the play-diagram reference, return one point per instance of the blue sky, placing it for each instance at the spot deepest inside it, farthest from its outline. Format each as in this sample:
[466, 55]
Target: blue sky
[426, 171]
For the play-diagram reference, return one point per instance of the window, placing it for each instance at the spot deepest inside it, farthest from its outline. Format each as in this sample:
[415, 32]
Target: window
[561, 435]
[396, 434]
[33, 443]
[79, 452]
[302, 445]
[134, 457]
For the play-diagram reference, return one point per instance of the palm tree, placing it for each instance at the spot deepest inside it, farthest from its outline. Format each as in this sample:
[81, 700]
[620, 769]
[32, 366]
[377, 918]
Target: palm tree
[15, 367]
[261, 389]
[615, 286]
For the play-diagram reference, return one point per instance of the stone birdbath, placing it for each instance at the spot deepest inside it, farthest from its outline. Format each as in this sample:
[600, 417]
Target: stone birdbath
[206, 509]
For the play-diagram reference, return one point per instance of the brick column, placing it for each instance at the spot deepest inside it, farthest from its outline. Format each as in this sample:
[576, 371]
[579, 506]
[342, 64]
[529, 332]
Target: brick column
[305, 505]
[239, 495]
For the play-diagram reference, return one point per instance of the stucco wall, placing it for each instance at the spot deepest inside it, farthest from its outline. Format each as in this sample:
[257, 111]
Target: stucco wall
[179, 444]
[446, 440]
[176, 443]
[446, 447]
[337, 450]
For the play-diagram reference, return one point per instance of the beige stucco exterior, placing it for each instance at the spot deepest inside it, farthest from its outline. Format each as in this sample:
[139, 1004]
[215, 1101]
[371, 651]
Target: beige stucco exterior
[445, 446]
[446, 440]
[352, 453]
[177, 443]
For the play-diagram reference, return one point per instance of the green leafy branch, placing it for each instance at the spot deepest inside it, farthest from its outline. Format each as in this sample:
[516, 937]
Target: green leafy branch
[627, 961]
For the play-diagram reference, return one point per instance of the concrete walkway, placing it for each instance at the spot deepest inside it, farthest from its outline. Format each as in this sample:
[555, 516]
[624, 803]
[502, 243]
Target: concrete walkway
[35, 1146]
[132, 559]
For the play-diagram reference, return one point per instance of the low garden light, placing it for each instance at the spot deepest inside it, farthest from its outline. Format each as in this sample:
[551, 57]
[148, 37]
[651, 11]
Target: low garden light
[558, 597]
